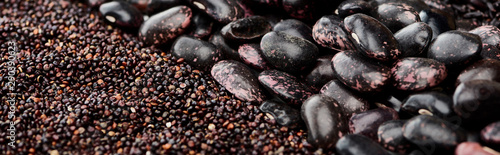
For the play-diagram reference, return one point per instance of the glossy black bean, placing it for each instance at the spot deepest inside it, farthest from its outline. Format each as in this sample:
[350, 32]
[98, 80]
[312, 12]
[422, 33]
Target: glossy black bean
[294, 27]
[224, 11]
[329, 32]
[395, 16]
[455, 48]
[374, 39]
[477, 102]
[430, 103]
[284, 114]
[121, 14]
[349, 100]
[486, 69]
[415, 74]
[350, 7]
[201, 26]
[360, 73]
[287, 52]
[165, 26]
[366, 123]
[321, 73]
[430, 131]
[324, 121]
[154, 6]
[356, 144]
[390, 136]
[438, 20]
[418, 5]
[238, 79]
[197, 53]
[414, 39]
[286, 86]
[246, 29]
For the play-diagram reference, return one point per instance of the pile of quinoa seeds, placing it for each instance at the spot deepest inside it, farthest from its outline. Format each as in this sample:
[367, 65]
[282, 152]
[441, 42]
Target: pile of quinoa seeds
[85, 87]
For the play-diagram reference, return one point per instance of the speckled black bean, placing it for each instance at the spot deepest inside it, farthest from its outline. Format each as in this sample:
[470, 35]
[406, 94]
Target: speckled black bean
[219, 41]
[486, 69]
[252, 55]
[395, 16]
[224, 11]
[490, 135]
[477, 102]
[321, 73]
[350, 7]
[390, 136]
[490, 51]
[455, 48]
[438, 20]
[349, 100]
[198, 53]
[440, 5]
[374, 39]
[425, 131]
[165, 26]
[366, 123]
[489, 34]
[414, 39]
[329, 32]
[285, 86]
[324, 121]
[284, 114]
[360, 73]
[287, 52]
[415, 74]
[294, 27]
[299, 9]
[121, 14]
[438, 104]
[238, 79]
[246, 29]
[356, 144]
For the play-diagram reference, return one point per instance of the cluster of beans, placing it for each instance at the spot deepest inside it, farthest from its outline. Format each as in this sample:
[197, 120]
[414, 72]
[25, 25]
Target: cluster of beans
[361, 77]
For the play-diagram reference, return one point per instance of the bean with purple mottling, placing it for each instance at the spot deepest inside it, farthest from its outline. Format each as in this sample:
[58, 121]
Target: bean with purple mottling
[360, 73]
[329, 32]
[489, 34]
[374, 39]
[238, 79]
[350, 7]
[491, 135]
[252, 55]
[165, 26]
[286, 86]
[415, 74]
